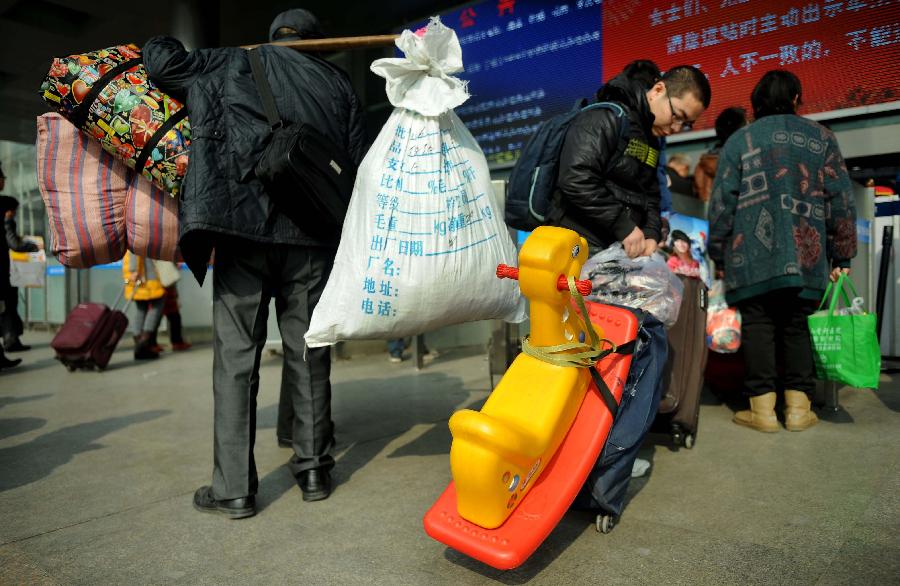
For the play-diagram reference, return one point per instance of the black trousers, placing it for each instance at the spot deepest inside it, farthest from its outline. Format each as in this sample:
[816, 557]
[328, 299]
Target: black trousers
[245, 278]
[775, 336]
[10, 323]
[284, 427]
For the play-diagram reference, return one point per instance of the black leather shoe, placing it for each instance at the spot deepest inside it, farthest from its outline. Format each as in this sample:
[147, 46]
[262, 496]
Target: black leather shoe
[204, 501]
[315, 484]
[17, 346]
[7, 363]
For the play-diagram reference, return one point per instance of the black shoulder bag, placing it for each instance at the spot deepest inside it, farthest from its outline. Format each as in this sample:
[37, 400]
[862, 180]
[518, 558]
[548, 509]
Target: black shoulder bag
[308, 177]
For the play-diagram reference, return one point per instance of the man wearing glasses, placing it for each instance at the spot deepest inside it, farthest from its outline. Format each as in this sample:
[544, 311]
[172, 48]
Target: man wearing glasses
[681, 121]
[608, 191]
[608, 188]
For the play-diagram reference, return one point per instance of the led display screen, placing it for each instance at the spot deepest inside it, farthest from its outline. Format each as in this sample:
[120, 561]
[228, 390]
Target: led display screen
[529, 60]
[845, 52]
[525, 62]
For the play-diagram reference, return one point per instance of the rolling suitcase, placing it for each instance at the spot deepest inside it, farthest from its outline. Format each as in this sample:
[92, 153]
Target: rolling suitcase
[89, 336]
[679, 409]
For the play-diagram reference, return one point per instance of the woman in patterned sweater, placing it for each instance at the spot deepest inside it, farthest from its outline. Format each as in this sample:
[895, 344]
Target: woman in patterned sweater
[782, 222]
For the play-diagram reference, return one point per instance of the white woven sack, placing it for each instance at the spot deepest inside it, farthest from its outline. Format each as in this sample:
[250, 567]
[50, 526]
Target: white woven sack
[424, 232]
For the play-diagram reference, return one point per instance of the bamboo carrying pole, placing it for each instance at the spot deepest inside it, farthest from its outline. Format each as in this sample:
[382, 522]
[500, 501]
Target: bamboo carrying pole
[334, 44]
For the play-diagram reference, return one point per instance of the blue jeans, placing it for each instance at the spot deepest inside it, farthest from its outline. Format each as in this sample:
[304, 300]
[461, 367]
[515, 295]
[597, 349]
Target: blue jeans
[396, 346]
[607, 483]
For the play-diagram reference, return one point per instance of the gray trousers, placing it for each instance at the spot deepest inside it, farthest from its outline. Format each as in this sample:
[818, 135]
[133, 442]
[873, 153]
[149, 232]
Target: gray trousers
[147, 315]
[246, 277]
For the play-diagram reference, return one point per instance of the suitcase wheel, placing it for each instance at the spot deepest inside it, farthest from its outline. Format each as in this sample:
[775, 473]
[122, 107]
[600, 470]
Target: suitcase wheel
[69, 366]
[605, 523]
[682, 438]
[677, 434]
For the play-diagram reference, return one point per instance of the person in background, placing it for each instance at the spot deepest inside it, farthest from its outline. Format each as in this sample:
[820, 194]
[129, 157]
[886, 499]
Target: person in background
[6, 203]
[678, 173]
[172, 313]
[680, 164]
[664, 229]
[169, 276]
[782, 222]
[397, 346]
[643, 71]
[10, 322]
[260, 253]
[729, 121]
[4, 361]
[143, 287]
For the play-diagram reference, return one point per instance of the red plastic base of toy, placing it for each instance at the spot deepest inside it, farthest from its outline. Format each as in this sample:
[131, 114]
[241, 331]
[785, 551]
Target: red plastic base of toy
[509, 545]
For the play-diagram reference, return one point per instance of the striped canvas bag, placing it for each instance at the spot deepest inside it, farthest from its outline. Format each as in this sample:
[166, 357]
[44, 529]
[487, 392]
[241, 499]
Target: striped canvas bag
[97, 207]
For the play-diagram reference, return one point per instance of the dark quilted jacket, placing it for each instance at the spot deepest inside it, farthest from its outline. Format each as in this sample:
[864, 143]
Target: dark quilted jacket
[221, 195]
[608, 185]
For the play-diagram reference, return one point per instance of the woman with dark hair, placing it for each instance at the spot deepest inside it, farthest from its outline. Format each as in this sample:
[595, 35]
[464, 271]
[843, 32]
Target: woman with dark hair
[782, 222]
[643, 71]
[729, 121]
[778, 92]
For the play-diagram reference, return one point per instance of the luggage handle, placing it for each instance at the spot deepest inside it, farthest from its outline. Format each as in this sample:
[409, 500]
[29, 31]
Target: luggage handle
[122, 294]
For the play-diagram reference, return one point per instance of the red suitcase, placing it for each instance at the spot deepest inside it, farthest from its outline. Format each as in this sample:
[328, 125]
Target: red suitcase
[89, 336]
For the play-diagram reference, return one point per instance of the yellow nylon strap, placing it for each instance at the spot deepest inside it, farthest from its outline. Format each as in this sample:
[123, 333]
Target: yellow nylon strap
[575, 354]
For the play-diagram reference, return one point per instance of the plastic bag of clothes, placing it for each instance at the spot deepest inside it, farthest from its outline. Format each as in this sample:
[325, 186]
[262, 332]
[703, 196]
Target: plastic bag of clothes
[723, 323]
[96, 206]
[644, 283]
[27, 269]
[106, 94]
[424, 232]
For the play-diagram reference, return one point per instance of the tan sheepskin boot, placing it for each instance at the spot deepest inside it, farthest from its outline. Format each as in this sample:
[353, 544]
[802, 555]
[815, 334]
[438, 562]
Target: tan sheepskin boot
[761, 415]
[797, 414]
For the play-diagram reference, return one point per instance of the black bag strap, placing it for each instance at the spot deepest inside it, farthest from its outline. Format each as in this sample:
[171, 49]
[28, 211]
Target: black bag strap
[605, 393]
[626, 348]
[80, 115]
[265, 90]
[608, 399]
[157, 137]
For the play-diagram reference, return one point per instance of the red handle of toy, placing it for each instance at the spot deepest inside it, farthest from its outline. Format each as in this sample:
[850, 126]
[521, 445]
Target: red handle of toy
[507, 272]
[583, 286]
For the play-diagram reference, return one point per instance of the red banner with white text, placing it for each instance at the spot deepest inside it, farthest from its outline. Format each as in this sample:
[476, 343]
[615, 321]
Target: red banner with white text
[845, 52]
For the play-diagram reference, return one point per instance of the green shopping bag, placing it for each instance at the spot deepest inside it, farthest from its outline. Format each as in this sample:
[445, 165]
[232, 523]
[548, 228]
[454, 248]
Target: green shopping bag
[845, 347]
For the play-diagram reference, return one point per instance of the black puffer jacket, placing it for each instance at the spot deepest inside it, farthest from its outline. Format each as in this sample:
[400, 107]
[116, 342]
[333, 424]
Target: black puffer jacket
[608, 186]
[221, 195]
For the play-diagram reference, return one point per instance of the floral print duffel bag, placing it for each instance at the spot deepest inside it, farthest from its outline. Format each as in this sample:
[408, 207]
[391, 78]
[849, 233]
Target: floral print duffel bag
[107, 94]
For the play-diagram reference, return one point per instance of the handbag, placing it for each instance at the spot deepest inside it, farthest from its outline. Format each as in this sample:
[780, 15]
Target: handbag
[307, 176]
[723, 323]
[845, 346]
[167, 272]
